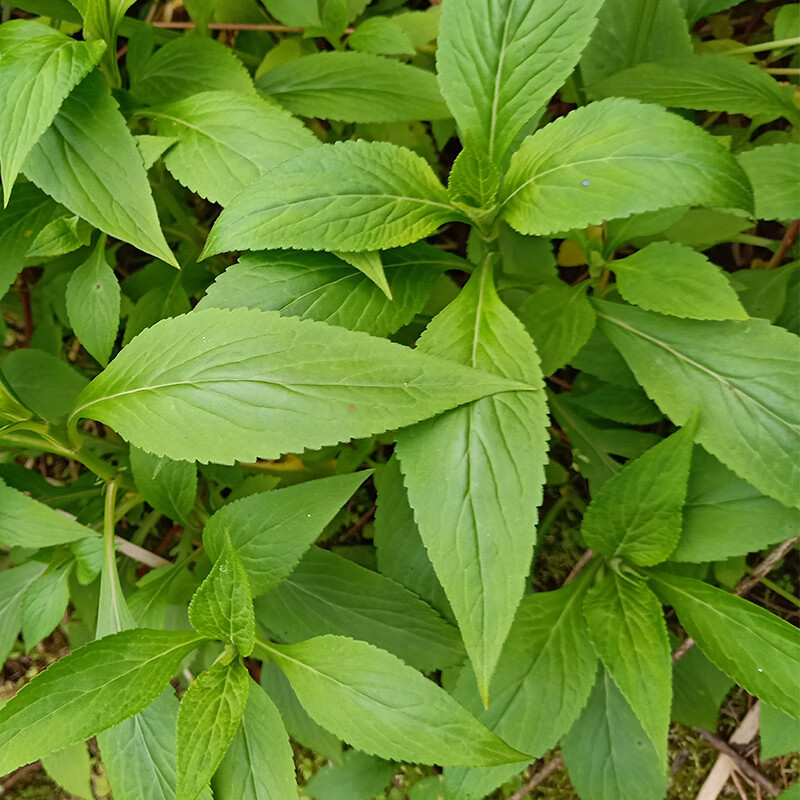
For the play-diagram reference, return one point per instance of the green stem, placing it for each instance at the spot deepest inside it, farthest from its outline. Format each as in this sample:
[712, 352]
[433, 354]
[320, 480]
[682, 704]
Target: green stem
[783, 71]
[778, 589]
[128, 504]
[147, 525]
[760, 48]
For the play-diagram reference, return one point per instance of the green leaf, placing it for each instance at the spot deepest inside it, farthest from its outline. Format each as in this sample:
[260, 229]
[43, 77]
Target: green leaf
[354, 87]
[328, 593]
[479, 524]
[725, 516]
[608, 753]
[401, 555]
[705, 82]
[369, 264]
[27, 214]
[259, 764]
[186, 66]
[300, 726]
[88, 161]
[71, 769]
[499, 64]
[235, 385]
[474, 179]
[360, 775]
[627, 629]
[560, 320]
[45, 383]
[272, 530]
[299, 13]
[44, 604]
[757, 649]
[93, 688]
[381, 36]
[17, 31]
[698, 689]
[772, 171]
[139, 754]
[320, 286]
[93, 304]
[614, 158]
[63, 235]
[161, 302]
[673, 279]
[168, 486]
[35, 78]
[15, 583]
[152, 148]
[546, 672]
[382, 706]
[637, 513]
[780, 733]
[25, 522]
[612, 401]
[631, 31]
[763, 292]
[741, 374]
[351, 196]
[222, 607]
[226, 140]
[697, 9]
[208, 718]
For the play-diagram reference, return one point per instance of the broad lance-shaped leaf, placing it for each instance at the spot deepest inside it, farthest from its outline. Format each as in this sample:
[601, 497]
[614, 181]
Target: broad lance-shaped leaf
[321, 286]
[187, 66]
[208, 718]
[369, 263]
[25, 522]
[226, 140]
[775, 182]
[93, 688]
[35, 77]
[607, 752]
[222, 606]
[627, 629]
[614, 158]
[272, 530]
[756, 648]
[742, 374]
[328, 593]
[223, 386]
[15, 584]
[169, 486]
[474, 475]
[706, 82]
[676, 280]
[560, 320]
[500, 62]
[725, 516]
[354, 87]
[29, 211]
[382, 706]
[545, 673]
[88, 161]
[259, 764]
[349, 196]
[400, 552]
[93, 304]
[637, 514]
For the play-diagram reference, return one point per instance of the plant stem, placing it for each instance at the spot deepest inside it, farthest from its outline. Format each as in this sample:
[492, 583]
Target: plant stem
[783, 71]
[764, 46]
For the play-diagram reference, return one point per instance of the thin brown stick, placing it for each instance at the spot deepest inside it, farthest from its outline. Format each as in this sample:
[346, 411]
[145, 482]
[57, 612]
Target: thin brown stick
[579, 565]
[360, 523]
[765, 567]
[745, 585]
[544, 773]
[742, 764]
[787, 241]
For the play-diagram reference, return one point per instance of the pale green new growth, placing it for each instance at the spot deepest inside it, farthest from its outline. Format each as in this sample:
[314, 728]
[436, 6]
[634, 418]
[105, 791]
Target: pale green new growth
[222, 607]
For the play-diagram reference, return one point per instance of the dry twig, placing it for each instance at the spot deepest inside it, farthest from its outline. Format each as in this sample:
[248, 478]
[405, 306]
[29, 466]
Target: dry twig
[540, 776]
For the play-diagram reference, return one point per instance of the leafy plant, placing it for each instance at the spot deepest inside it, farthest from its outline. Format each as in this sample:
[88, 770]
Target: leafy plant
[251, 417]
